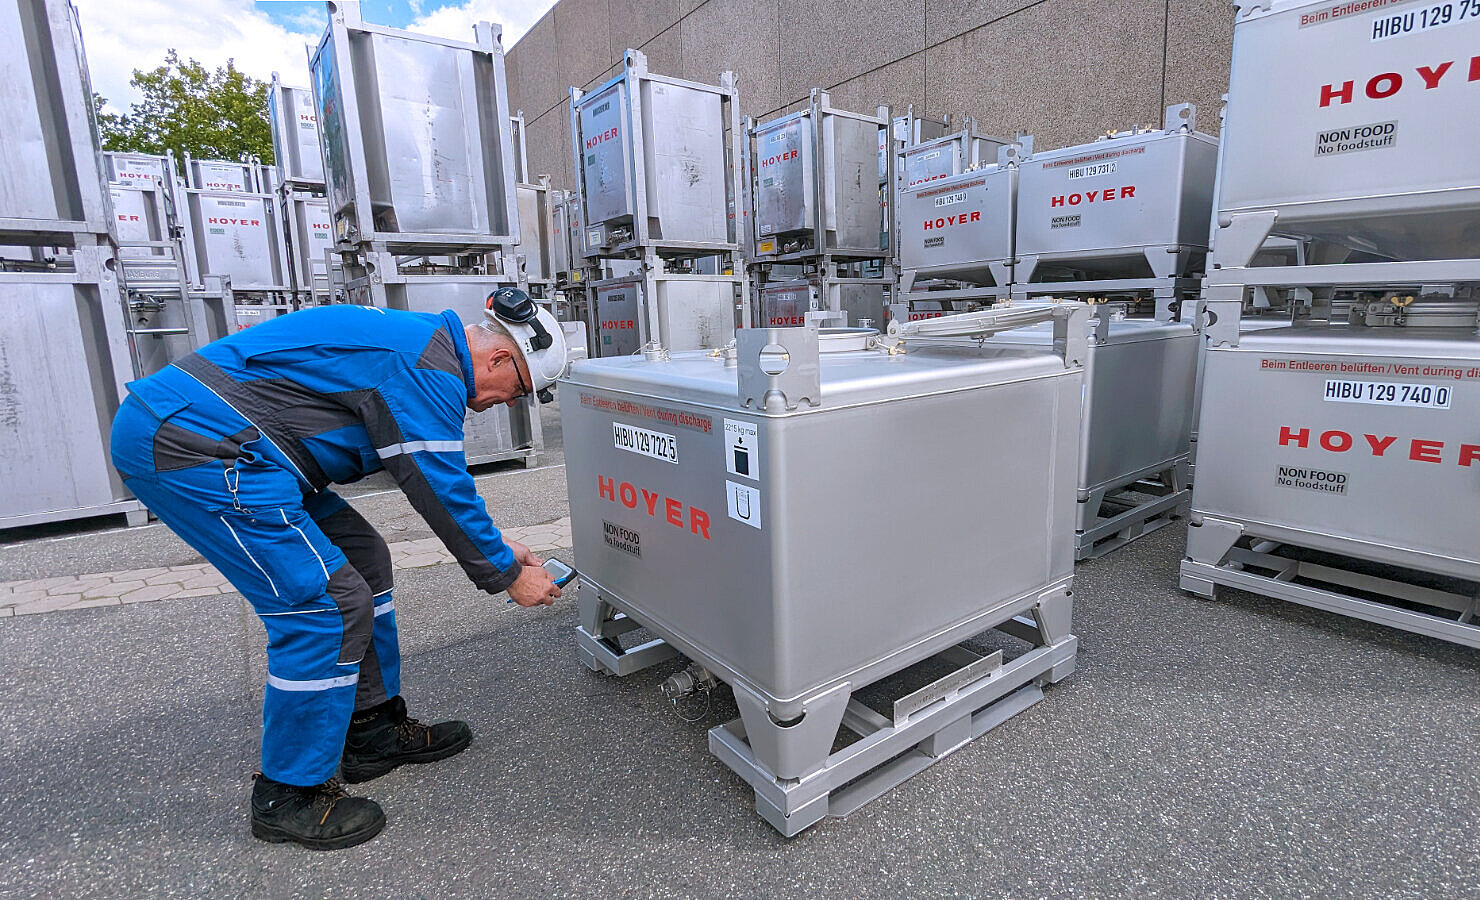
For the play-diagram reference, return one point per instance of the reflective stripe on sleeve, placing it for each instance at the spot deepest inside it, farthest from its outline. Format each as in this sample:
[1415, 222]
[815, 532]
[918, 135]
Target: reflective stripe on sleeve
[388, 606]
[413, 446]
[317, 684]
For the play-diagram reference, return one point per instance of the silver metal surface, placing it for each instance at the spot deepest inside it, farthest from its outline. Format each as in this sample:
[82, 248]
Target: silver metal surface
[815, 181]
[1355, 127]
[654, 162]
[51, 178]
[961, 227]
[733, 527]
[534, 230]
[64, 360]
[237, 235]
[310, 242]
[1136, 205]
[295, 135]
[947, 155]
[219, 175]
[416, 136]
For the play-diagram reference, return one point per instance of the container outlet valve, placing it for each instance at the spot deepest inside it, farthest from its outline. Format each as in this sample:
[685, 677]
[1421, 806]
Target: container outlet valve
[695, 679]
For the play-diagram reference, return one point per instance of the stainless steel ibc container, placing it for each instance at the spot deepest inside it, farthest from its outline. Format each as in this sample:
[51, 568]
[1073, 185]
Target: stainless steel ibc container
[1131, 206]
[64, 359]
[948, 155]
[51, 182]
[237, 235]
[682, 167]
[728, 503]
[1355, 441]
[415, 129]
[693, 312]
[222, 175]
[295, 133]
[814, 182]
[135, 168]
[787, 304]
[961, 226]
[1355, 124]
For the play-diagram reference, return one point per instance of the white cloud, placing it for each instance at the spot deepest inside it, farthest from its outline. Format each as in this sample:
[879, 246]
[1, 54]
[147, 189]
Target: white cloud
[456, 21]
[122, 36]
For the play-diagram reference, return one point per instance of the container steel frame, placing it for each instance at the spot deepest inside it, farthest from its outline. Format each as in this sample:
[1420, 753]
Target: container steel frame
[1243, 555]
[965, 296]
[658, 257]
[822, 267]
[344, 19]
[797, 777]
[1173, 283]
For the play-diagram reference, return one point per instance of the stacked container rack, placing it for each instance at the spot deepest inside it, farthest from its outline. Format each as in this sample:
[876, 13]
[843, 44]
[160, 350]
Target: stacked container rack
[415, 235]
[1338, 457]
[658, 183]
[302, 209]
[64, 343]
[819, 250]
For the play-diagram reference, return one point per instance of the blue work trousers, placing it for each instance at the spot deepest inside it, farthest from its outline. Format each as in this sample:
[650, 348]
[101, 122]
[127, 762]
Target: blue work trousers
[315, 571]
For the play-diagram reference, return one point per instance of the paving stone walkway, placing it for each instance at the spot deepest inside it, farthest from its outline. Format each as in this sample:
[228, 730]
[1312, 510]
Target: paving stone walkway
[19, 598]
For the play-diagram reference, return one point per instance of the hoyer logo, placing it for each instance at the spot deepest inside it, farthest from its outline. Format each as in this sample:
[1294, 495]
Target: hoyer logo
[1386, 84]
[779, 157]
[607, 135]
[618, 324]
[788, 320]
[674, 512]
[220, 220]
[1387, 445]
[1123, 193]
[124, 218]
[948, 221]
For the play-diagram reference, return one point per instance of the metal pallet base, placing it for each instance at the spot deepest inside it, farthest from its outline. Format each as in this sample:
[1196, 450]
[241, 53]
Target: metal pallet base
[978, 694]
[891, 750]
[530, 455]
[1110, 517]
[1236, 571]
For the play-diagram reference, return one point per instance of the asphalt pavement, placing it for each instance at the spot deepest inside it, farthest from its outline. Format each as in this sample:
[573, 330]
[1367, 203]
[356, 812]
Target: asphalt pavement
[1237, 747]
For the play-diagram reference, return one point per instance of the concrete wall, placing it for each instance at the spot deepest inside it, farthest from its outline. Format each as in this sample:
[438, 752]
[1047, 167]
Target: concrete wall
[1061, 70]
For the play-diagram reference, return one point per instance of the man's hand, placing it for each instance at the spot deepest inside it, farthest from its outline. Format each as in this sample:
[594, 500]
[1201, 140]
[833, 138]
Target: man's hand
[522, 553]
[534, 586]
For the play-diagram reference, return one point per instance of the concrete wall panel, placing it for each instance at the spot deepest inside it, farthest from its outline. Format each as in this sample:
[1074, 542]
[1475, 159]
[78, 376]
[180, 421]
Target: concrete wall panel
[945, 19]
[1062, 91]
[896, 85]
[548, 144]
[665, 53]
[827, 42]
[583, 29]
[635, 22]
[1199, 47]
[740, 36]
[539, 85]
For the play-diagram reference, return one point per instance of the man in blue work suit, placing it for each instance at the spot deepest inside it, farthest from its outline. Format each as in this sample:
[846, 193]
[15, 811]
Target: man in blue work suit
[234, 448]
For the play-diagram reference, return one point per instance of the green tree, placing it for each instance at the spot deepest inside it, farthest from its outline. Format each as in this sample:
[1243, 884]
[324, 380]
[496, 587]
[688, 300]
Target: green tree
[189, 109]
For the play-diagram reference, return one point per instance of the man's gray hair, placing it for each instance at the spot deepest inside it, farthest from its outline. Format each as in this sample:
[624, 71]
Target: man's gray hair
[493, 326]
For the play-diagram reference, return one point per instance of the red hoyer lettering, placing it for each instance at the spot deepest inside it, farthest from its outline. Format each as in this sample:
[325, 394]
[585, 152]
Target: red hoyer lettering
[1336, 441]
[1093, 196]
[601, 138]
[947, 221]
[616, 325]
[788, 320]
[672, 510]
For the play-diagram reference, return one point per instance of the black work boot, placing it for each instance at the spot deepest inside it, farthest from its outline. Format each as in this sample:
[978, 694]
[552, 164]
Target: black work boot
[322, 817]
[384, 737]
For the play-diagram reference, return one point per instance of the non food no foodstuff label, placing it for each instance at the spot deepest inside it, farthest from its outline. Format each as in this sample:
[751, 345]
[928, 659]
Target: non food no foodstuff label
[655, 444]
[1321, 481]
[743, 503]
[1355, 138]
[621, 538]
[1388, 393]
[740, 449]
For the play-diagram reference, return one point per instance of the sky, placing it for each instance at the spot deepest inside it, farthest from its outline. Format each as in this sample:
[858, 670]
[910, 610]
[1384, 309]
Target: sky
[263, 37]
